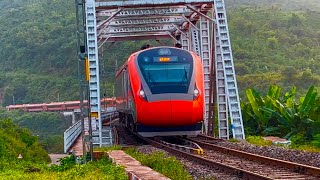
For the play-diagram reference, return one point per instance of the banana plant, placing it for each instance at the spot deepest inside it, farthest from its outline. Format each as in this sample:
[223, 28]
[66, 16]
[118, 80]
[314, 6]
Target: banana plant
[293, 119]
[289, 97]
[315, 115]
[261, 119]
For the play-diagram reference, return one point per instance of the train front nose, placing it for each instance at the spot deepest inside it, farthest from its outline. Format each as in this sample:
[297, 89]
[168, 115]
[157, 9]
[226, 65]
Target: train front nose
[169, 113]
[185, 113]
[154, 113]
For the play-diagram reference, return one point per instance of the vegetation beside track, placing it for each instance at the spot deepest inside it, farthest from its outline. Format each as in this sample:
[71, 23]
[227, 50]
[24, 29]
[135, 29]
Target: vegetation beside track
[102, 169]
[259, 141]
[166, 165]
[47, 126]
[15, 140]
[281, 114]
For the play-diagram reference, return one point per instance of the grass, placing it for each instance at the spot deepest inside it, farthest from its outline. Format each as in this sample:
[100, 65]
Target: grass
[105, 149]
[305, 147]
[258, 140]
[168, 166]
[102, 169]
[233, 140]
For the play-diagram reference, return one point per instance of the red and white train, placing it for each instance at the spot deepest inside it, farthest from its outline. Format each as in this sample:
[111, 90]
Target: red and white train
[160, 92]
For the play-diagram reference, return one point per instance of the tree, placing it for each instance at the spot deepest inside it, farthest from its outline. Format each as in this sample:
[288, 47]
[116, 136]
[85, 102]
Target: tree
[272, 42]
[294, 20]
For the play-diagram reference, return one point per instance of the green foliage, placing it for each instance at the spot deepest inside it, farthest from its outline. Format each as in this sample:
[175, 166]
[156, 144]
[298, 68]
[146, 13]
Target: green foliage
[276, 4]
[102, 169]
[106, 149]
[234, 140]
[33, 165]
[282, 115]
[15, 141]
[41, 34]
[258, 119]
[299, 142]
[52, 143]
[65, 164]
[38, 47]
[168, 166]
[272, 46]
[27, 89]
[46, 126]
[316, 141]
[295, 120]
[258, 140]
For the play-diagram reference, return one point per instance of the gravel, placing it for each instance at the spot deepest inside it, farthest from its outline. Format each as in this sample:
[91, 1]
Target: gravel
[199, 171]
[302, 157]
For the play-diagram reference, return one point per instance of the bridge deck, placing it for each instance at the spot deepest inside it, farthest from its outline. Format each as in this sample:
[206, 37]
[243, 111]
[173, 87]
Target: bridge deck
[77, 147]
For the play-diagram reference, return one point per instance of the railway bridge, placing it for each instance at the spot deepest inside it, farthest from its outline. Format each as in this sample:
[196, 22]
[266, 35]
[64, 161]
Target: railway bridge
[200, 26]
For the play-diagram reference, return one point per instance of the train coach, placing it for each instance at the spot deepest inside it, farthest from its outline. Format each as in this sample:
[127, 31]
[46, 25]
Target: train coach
[160, 92]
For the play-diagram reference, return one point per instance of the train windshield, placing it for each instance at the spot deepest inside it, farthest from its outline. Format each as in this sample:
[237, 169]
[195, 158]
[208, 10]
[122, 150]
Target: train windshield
[166, 70]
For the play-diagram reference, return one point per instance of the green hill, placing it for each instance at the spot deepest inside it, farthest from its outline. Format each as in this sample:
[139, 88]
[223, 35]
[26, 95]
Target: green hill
[38, 47]
[313, 5]
[15, 141]
[275, 47]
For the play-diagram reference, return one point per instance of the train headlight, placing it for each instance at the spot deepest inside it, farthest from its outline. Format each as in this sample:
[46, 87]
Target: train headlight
[142, 94]
[196, 93]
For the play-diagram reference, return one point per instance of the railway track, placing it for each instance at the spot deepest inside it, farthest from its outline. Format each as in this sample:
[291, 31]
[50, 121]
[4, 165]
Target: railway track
[245, 165]
[268, 167]
[124, 138]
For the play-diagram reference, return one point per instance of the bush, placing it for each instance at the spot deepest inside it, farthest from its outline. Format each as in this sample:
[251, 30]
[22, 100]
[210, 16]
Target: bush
[65, 163]
[102, 169]
[15, 141]
[297, 140]
[316, 141]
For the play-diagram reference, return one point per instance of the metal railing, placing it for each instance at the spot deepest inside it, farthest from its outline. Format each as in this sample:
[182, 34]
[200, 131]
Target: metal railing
[71, 134]
[109, 113]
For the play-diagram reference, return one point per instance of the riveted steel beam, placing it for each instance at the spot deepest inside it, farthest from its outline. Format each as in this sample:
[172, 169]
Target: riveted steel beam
[145, 11]
[151, 20]
[138, 36]
[133, 3]
[199, 12]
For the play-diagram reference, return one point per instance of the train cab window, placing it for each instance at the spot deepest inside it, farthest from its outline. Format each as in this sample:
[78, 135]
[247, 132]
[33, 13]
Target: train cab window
[166, 70]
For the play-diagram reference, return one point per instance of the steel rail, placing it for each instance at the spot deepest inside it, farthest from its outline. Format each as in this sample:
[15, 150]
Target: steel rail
[296, 167]
[240, 172]
[193, 147]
